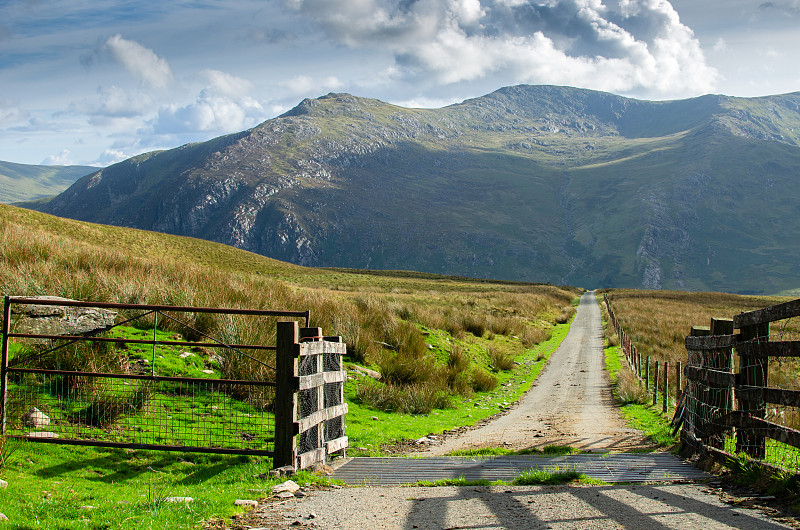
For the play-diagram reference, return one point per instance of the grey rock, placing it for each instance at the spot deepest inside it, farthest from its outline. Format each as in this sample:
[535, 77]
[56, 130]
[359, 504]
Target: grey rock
[59, 320]
[290, 486]
[35, 419]
[245, 502]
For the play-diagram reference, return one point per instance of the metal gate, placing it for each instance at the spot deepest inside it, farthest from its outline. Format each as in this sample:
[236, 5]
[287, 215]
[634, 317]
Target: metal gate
[53, 392]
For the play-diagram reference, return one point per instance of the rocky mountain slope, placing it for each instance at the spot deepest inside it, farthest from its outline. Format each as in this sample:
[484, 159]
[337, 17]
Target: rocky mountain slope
[538, 183]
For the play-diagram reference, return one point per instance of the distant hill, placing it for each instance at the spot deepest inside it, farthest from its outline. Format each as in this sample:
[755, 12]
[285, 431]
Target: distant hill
[24, 182]
[535, 183]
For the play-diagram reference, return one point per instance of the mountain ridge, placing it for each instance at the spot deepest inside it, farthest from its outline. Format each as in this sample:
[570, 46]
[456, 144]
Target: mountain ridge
[536, 183]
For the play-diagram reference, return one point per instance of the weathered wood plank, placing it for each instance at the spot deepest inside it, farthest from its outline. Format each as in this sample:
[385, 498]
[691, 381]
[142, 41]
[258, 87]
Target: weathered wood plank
[285, 395]
[310, 458]
[774, 396]
[711, 342]
[769, 349]
[706, 375]
[772, 430]
[337, 445]
[322, 415]
[320, 347]
[315, 380]
[768, 314]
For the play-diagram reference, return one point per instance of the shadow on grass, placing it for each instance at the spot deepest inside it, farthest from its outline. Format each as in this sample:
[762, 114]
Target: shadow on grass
[117, 465]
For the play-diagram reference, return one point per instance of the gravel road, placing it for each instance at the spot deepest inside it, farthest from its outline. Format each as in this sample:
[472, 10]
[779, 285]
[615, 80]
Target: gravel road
[570, 404]
[512, 507]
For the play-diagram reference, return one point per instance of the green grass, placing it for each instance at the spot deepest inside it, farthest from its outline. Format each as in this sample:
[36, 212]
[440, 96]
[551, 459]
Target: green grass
[368, 436]
[647, 418]
[533, 477]
[52, 486]
[543, 477]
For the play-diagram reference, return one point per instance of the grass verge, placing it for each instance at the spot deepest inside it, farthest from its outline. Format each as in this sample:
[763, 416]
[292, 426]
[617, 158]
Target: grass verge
[646, 418]
[70, 487]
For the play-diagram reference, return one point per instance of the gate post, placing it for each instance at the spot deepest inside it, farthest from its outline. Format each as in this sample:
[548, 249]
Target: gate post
[286, 386]
[4, 364]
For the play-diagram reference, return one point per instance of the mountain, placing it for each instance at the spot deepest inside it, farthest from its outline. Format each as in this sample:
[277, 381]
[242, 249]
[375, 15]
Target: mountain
[537, 183]
[24, 182]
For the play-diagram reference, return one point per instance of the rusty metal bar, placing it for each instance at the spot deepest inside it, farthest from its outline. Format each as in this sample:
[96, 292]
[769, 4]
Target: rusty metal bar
[140, 341]
[184, 309]
[4, 364]
[143, 377]
[123, 445]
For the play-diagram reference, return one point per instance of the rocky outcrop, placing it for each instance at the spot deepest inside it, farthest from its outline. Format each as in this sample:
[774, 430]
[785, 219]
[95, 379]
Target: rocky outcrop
[59, 320]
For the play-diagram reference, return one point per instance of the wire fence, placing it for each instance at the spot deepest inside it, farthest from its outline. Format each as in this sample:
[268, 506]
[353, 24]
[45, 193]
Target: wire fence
[742, 391]
[141, 411]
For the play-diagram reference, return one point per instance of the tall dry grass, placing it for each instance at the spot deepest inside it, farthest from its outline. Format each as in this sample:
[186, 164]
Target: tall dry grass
[658, 322]
[379, 316]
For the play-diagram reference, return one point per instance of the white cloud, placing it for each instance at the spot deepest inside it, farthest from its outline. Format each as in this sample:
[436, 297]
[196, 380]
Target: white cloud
[115, 102]
[143, 63]
[633, 45]
[303, 84]
[720, 45]
[61, 159]
[222, 106]
[110, 156]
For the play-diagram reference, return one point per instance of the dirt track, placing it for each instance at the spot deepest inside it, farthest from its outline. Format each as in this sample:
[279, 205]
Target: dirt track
[570, 403]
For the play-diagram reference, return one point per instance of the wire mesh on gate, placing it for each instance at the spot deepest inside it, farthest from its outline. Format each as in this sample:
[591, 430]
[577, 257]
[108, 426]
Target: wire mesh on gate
[318, 399]
[180, 413]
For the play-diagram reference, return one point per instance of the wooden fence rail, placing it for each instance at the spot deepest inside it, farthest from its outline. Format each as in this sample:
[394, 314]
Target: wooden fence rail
[724, 403]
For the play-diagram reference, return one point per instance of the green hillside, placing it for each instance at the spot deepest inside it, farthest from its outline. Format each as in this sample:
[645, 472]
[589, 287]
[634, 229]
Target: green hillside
[23, 182]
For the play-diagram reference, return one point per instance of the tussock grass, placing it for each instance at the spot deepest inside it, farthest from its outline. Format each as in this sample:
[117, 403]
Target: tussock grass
[657, 322]
[381, 316]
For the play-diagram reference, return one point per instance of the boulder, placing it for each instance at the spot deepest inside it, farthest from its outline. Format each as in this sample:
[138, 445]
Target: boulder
[59, 320]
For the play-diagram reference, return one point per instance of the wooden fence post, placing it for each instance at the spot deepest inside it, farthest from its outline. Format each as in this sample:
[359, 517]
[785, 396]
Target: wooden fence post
[721, 360]
[678, 381]
[655, 385]
[286, 385]
[4, 364]
[639, 366]
[647, 373]
[666, 387]
[754, 373]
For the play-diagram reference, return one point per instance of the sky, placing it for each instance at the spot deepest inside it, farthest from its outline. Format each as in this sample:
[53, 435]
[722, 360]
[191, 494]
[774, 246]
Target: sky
[93, 82]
